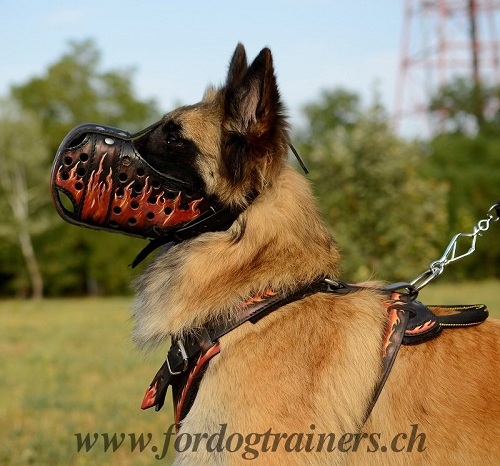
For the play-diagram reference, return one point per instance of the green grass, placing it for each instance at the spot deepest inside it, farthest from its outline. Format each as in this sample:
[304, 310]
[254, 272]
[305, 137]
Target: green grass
[68, 367]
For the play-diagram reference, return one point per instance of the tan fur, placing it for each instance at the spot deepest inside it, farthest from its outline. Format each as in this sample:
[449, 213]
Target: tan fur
[316, 361]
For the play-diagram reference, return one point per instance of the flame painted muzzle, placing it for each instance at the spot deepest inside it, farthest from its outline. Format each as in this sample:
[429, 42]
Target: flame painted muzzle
[99, 180]
[109, 186]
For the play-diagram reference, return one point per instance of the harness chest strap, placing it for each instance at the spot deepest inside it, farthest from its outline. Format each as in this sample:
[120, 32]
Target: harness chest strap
[183, 355]
[408, 322]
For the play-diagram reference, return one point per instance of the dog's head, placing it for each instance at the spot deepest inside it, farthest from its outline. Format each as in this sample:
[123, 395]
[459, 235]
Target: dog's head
[232, 142]
[216, 155]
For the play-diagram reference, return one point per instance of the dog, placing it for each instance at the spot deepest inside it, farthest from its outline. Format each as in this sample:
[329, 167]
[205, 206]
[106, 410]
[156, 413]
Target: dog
[295, 387]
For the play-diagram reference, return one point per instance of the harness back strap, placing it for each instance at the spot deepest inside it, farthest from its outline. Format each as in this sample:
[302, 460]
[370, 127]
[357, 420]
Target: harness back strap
[398, 316]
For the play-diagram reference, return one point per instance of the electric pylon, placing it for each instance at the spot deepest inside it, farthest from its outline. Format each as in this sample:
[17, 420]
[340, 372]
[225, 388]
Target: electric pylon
[442, 40]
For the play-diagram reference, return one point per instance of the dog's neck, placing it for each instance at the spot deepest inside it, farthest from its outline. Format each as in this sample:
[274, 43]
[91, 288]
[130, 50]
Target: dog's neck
[279, 242]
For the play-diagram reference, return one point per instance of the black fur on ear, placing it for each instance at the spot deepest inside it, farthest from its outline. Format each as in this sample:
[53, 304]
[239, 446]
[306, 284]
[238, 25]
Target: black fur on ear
[237, 68]
[255, 132]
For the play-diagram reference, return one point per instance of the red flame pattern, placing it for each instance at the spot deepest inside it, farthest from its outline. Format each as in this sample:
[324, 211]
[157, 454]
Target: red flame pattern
[163, 212]
[203, 360]
[95, 205]
[392, 322]
[68, 183]
[129, 209]
[258, 298]
[421, 328]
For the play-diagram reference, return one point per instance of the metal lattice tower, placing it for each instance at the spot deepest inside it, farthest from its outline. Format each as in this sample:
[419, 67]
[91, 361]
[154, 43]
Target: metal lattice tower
[443, 39]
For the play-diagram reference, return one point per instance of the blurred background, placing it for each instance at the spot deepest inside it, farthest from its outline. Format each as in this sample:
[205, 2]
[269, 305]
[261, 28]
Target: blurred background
[394, 105]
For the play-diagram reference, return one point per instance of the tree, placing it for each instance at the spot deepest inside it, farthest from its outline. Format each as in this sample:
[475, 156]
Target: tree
[467, 107]
[387, 220]
[23, 190]
[469, 167]
[464, 155]
[74, 90]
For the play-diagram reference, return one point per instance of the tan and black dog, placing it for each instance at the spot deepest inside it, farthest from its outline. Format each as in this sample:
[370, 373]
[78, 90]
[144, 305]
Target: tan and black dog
[295, 387]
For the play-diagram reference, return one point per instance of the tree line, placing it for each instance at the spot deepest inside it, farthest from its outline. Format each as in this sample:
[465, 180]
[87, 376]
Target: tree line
[391, 204]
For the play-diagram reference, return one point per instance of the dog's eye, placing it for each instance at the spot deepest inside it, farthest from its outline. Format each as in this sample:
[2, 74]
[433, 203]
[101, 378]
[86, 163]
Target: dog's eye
[171, 138]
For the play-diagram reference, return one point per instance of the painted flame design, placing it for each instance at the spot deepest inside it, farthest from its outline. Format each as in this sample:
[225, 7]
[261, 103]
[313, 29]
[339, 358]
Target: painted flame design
[258, 298]
[421, 328]
[69, 183]
[95, 205]
[128, 209]
[392, 322]
[195, 371]
[163, 212]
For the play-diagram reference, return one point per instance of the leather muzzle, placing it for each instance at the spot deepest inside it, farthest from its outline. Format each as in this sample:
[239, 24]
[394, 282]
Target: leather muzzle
[99, 180]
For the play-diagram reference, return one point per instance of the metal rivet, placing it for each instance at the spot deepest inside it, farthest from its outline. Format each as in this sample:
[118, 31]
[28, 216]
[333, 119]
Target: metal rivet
[126, 161]
[109, 141]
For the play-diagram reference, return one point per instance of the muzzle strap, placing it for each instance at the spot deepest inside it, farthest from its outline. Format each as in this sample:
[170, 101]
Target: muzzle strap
[213, 220]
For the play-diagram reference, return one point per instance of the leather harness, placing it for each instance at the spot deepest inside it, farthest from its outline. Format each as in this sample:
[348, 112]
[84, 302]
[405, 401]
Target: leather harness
[409, 322]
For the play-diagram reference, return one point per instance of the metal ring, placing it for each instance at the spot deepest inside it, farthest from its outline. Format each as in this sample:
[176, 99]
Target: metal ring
[494, 208]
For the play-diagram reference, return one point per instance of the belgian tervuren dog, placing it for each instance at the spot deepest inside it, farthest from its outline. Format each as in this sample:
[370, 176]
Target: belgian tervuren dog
[296, 386]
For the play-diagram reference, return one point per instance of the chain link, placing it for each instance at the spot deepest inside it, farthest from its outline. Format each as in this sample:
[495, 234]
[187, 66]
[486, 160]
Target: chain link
[450, 255]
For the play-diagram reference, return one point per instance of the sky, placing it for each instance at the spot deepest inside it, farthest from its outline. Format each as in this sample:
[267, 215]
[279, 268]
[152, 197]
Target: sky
[179, 47]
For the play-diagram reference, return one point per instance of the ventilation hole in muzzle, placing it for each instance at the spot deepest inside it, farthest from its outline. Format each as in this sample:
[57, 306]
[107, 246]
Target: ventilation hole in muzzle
[152, 199]
[171, 195]
[134, 205]
[114, 224]
[168, 210]
[81, 172]
[119, 193]
[66, 202]
[65, 176]
[84, 157]
[132, 221]
[68, 160]
[138, 188]
[123, 177]
[150, 215]
[117, 210]
[77, 141]
[156, 184]
[140, 172]
[78, 185]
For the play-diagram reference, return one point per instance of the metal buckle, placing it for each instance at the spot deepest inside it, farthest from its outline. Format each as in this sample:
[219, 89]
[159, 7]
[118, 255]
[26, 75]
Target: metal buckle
[184, 356]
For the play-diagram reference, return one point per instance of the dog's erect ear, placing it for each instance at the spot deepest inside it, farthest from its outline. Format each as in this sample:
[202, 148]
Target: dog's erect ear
[237, 68]
[252, 101]
[254, 125]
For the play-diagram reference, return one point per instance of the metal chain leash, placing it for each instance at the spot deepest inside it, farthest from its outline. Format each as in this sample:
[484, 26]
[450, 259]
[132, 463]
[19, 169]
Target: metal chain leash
[450, 255]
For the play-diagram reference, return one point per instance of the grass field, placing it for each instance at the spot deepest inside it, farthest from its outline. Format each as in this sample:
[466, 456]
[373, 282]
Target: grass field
[68, 367]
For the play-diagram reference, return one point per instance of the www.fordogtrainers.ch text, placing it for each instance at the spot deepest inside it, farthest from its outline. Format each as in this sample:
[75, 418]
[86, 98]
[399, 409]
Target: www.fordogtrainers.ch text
[251, 445]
